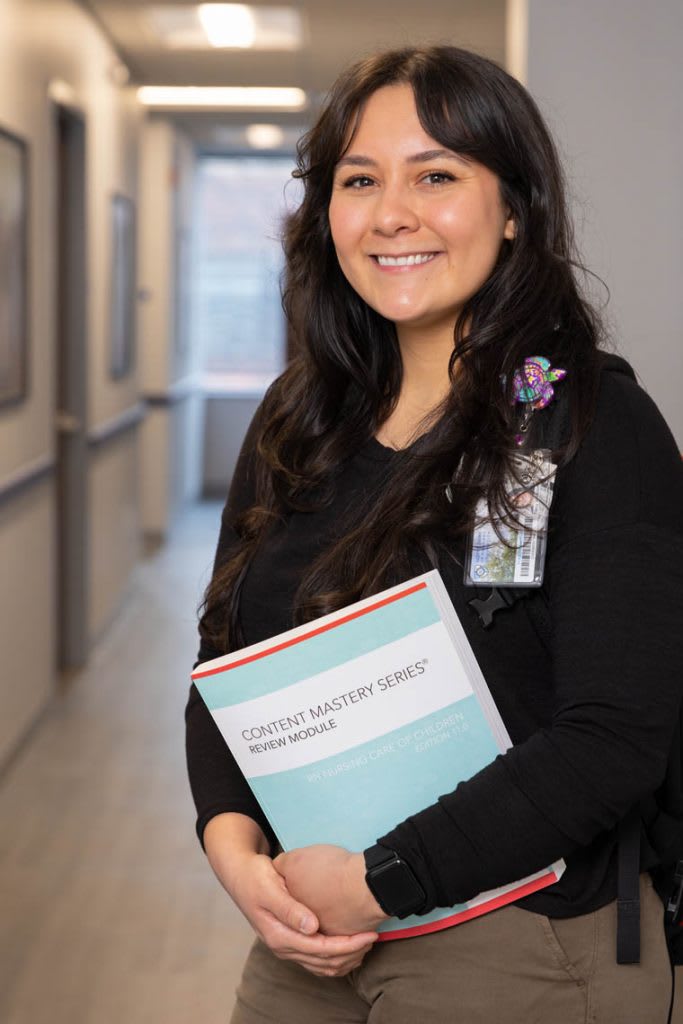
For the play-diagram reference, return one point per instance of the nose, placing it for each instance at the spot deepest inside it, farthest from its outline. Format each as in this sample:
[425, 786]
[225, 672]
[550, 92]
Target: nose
[394, 212]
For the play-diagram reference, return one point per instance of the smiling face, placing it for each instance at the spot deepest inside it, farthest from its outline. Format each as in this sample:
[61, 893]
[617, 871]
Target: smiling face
[416, 227]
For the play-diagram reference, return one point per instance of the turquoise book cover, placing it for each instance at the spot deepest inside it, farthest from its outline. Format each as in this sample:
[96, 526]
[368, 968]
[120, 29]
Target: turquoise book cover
[346, 725]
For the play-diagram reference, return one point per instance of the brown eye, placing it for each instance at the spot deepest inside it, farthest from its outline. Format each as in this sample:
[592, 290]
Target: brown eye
[438, 177]
[358, 181]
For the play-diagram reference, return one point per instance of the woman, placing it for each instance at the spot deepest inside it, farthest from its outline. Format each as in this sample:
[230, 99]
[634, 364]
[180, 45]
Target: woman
[431, 256]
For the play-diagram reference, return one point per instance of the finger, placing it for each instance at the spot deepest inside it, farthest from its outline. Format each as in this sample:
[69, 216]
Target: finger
[345, 945]
[342, 966]
[332, 972]
[338, 965]
[325, 970]
[333, 963]
[347, 961]
[279, 862]
[327, 973]
[326, 946]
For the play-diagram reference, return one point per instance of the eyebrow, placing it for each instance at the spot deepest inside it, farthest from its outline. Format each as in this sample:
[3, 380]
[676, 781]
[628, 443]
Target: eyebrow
[357, 160]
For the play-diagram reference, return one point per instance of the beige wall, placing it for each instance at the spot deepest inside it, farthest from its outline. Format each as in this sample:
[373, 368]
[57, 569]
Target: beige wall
[171, 434]
[155, 254]
[27, 610]
[113, 501]
[43, 40]
[610, 80]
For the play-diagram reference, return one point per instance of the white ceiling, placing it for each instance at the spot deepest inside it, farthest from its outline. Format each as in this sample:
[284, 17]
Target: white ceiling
[339, 31]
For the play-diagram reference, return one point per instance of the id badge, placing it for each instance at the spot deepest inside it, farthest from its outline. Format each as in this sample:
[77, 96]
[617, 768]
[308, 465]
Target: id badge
[514, 556]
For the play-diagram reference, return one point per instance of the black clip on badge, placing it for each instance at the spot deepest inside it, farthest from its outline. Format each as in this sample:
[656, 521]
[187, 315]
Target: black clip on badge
[486, 608]
[673, 906]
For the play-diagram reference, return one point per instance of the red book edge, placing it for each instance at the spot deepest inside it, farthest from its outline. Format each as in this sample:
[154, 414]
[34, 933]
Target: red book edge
[466, 915]
[200, 673]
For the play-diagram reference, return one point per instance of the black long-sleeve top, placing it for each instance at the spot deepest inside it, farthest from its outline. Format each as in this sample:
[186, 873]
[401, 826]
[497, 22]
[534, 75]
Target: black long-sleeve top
[590, 704]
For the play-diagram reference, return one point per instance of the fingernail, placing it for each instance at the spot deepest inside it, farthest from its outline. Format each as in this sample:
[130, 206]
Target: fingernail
[305, 923]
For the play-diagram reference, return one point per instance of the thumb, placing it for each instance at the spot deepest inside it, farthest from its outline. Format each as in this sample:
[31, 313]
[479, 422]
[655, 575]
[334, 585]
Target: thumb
[292, 913]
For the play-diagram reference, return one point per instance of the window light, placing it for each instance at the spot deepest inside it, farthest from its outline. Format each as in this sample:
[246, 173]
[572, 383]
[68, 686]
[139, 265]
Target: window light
[264, 136]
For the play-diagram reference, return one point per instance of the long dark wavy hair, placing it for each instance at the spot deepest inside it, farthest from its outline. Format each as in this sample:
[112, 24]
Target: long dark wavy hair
[346, 377]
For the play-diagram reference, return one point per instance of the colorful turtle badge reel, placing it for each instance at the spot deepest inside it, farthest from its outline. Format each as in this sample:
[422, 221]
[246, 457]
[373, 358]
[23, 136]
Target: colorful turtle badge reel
[532, 385]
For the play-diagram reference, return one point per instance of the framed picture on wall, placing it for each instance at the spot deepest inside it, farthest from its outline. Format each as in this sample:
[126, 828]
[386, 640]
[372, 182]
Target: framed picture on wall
[122, 299]
[13, 267]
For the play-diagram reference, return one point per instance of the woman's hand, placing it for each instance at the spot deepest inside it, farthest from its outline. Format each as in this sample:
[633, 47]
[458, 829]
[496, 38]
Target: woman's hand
[331, 881]
[236, 848]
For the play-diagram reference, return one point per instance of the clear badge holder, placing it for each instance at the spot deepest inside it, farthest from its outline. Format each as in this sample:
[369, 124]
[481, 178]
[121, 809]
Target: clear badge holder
[513, 555]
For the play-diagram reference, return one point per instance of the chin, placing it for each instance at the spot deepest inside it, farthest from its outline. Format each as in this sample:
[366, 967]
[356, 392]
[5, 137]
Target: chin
[401, 315]
[405, 318]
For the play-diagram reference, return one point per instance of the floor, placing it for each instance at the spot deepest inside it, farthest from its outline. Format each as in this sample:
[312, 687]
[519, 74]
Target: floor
[109, 913]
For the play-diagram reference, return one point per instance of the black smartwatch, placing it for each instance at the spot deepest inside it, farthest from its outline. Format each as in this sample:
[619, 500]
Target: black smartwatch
[392, 882]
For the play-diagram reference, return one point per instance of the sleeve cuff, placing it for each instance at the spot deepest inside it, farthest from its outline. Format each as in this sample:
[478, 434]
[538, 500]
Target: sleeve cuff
[249, 811]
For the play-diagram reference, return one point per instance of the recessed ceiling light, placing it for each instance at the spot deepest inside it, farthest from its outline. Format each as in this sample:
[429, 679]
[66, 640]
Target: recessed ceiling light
[229, 26]
[264, 136]
[229, 97]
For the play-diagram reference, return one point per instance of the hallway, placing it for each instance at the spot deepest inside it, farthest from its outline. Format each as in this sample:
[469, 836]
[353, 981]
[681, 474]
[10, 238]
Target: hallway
[110, 913]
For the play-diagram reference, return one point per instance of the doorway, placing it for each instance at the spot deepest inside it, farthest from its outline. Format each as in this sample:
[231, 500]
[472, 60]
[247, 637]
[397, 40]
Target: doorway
[71, 398]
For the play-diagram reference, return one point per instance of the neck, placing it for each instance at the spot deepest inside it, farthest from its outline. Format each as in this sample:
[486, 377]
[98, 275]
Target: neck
[424, 385]
[425, 361]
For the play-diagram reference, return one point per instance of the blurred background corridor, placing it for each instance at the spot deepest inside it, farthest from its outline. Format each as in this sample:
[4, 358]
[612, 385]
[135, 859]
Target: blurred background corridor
[146, 151]
[109, 911]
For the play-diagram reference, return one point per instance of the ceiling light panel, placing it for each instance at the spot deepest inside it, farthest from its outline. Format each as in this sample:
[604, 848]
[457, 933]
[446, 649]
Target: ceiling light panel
[172, 97]
[227, 26]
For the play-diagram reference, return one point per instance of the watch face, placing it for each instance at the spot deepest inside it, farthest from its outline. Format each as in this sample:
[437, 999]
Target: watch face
[397, 890]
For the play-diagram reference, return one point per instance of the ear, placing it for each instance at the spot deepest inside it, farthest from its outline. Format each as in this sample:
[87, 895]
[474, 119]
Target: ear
[510, 230]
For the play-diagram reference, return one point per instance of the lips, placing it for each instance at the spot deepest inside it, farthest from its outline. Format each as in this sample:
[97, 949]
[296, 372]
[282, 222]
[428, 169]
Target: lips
[408, 260]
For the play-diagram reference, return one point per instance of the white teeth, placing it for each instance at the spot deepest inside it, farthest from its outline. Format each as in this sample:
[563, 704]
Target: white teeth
[405, 261]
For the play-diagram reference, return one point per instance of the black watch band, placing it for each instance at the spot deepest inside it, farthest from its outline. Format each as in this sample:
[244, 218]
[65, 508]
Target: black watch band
[392, 882]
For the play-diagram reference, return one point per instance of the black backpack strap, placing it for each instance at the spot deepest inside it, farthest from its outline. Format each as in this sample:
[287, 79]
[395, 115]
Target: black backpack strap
[628, 888]
[550, 430]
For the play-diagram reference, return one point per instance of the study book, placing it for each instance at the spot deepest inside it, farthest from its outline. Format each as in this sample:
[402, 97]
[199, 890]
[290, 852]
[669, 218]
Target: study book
[348, 724]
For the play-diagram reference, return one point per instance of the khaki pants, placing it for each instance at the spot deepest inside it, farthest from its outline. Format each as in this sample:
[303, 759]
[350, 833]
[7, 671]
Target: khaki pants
[507, 967]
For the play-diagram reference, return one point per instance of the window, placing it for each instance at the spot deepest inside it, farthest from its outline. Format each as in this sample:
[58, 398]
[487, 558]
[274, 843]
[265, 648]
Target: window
[239, 324]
